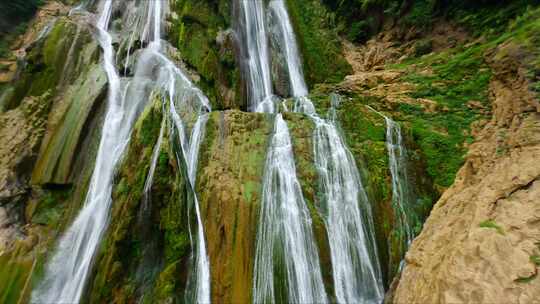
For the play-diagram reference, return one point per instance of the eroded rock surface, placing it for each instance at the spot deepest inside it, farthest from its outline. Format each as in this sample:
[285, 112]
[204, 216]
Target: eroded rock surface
[482, 241]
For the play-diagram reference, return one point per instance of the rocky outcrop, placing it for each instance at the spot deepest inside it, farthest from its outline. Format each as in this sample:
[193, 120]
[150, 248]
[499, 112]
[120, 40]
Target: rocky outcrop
[481, 243]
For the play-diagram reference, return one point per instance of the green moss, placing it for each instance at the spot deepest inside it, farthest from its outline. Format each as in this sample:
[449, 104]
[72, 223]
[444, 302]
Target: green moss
[492, 225]
[165, 287]
[460, 76]
[535, 259]
[14, 277]
[49, 209]
[321, 49]
[46, 62]
[526, 279]
[194, 32]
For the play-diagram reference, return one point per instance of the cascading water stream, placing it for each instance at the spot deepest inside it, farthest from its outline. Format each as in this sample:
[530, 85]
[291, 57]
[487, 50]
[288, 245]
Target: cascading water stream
[255, 61]
[397, 155]
[401, 194]
[200, 276]
[285, 230]
[285, 223]
[290, 48]
[68, 270]
[347, 213]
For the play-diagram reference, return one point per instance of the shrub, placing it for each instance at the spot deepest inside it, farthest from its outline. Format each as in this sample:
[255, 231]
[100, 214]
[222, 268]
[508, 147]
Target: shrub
[423, 47]
[359, 31]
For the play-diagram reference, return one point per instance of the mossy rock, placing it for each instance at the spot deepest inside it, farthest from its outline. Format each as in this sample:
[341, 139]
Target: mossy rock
[229, 185]
[55, 61]
[319, 43]
[195, 32]
[147, 234]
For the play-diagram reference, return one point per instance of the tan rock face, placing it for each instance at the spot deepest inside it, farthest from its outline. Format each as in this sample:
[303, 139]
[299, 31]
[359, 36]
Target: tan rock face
[229, 184]
[481, 242]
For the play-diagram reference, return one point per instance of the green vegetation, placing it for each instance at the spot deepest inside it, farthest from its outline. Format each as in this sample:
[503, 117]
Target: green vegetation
[8, 39]
[526, 279]
[49, 210]
[535, 259]
[492, 225]
[360, 19]
[319, 42]
[195, 32]
[457, 81]
[14, 15]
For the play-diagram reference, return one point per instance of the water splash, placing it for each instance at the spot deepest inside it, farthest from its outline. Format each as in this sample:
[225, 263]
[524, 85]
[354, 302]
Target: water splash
[285, 230]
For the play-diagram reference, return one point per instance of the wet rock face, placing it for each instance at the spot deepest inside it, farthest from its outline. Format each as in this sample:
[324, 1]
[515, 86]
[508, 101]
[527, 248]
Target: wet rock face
[229, 184]
[481, 243]
[56, 83]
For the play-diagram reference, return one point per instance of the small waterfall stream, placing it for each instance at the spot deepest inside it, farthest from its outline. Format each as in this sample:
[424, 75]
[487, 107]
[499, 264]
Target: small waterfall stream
[397, 155]
[190, 97]
[401, 189]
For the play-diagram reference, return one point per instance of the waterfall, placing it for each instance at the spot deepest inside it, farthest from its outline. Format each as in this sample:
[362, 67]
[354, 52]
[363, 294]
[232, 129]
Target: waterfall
[346, 208]
[255, 62]
[202, 272]
[348, 218]
[397, 155]
[284, 223]
[401, 192]
[290, 48]
[190, 97]
[68, 269]
[285, 230]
